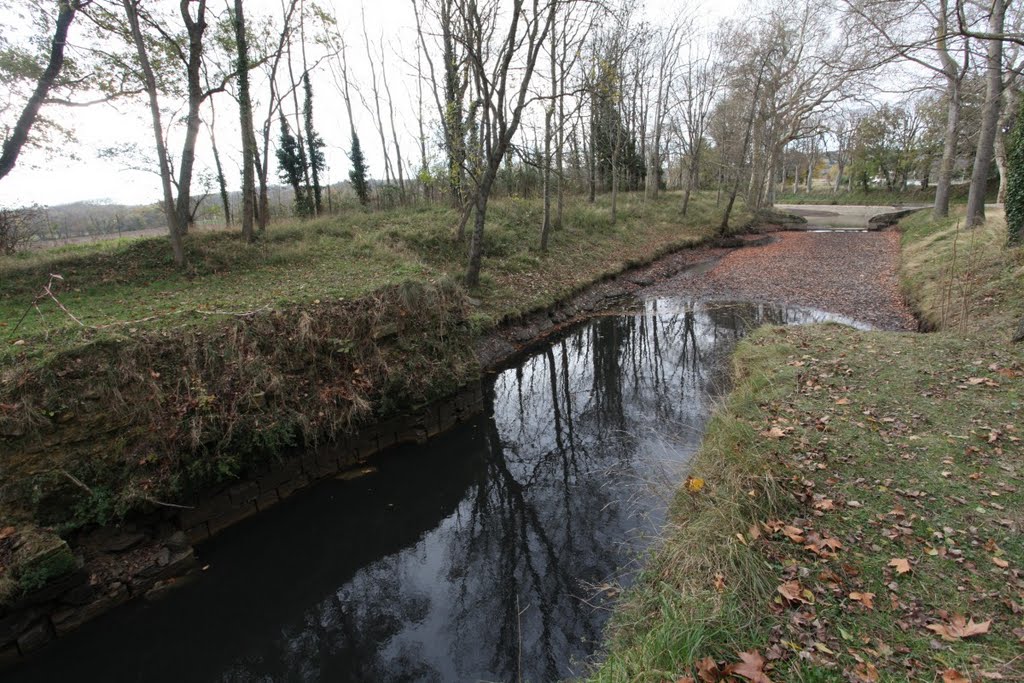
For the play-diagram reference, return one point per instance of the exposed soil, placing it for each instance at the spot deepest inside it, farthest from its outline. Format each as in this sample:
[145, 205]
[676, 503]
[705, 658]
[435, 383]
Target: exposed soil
[854, 275]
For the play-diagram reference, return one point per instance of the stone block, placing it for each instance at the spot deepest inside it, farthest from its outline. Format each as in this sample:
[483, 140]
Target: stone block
[413, 434]
[177, 541]
[35, 636]
[80, 595]
[289, 487]
[14, 624]
[198, 533]
[280, 474]
[386, 439]
[267, 499]
[9, 655]
[365, 445]
[243, 493]
[197, 516]
[310, 467]
[53, 589]
[67, 620]
[230, 517]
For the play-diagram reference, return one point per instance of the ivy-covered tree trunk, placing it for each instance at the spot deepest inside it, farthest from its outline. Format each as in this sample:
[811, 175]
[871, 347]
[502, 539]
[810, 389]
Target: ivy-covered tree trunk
[292, 163]
[1015, 183]
[358, 174]
[245, 119]
[314, 144]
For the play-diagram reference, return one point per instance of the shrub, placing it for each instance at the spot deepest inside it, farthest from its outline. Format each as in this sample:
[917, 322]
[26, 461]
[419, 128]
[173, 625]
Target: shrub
[18, 227]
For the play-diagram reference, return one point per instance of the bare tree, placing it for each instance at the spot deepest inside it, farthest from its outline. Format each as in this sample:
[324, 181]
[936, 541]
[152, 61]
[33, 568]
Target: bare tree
[449, 95]
[702, 80]
[174, 223]
[922, 32]
[490, 52]
[667, 48]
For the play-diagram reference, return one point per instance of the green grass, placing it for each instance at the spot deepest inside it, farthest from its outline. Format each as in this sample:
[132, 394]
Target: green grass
[911, 447]
[877, 197]
[118, 285]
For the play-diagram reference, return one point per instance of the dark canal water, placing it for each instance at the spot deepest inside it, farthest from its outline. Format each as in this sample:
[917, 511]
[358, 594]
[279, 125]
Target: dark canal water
[486, 554]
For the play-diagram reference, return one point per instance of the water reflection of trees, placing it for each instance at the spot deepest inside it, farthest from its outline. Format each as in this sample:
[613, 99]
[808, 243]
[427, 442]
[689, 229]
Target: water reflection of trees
[498, 532]
[568, 456]
[566, 471]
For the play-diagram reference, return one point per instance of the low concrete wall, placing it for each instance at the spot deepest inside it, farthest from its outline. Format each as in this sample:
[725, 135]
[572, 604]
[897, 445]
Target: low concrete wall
[890, 218]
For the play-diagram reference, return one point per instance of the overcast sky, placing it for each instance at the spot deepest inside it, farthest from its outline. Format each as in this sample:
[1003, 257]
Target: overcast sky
[77, 173]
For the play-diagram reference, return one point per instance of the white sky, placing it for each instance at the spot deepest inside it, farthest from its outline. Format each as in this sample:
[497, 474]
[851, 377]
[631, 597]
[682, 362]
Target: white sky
[78, 174]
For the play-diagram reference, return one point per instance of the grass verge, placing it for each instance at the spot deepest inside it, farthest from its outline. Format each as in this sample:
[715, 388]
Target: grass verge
[879, 197]
[859, 516]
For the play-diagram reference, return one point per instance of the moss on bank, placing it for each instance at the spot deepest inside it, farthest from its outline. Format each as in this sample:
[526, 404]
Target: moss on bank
[862, 492]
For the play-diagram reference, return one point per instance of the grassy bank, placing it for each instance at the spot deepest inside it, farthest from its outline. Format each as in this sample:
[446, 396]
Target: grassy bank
[879, 197]
[116, 285]
[860, 515]
[164, 382]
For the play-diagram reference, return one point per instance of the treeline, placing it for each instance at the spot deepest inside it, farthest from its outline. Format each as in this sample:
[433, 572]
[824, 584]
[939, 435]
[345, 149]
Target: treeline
[542, 99]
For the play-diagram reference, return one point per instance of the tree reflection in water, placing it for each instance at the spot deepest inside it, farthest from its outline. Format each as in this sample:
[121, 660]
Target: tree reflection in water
[479, 556]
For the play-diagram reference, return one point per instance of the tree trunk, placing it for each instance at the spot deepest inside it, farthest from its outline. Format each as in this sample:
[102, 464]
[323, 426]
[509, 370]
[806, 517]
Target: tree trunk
[195, 30]
[1006, 119]
[17, 137]
[942, 185]
[173, 226]
[549, 115]
[694, 176]
[989, 118]
[593, 149]
[222, 184]
[476, 241]
[248, 134]
[560, 141]
[724, 225]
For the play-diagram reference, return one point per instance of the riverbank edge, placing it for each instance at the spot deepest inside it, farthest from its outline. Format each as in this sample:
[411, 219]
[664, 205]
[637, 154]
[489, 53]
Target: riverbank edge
[714, 598]
[100, 567]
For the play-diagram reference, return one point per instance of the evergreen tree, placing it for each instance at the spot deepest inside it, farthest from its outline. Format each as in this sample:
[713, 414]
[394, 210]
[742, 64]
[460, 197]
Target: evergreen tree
[1015, 182]
[358, 174]
[314, 145]
[291, 161]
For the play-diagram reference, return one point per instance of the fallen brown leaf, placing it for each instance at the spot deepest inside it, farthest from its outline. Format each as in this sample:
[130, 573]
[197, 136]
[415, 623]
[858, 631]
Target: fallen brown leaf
[751, 667]
[954, 676]
[999, 562]
[866, 599]
[900, 564]
[708, 671]
[866, 672]
[791, 590]
[958, 628]
[794, 533]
